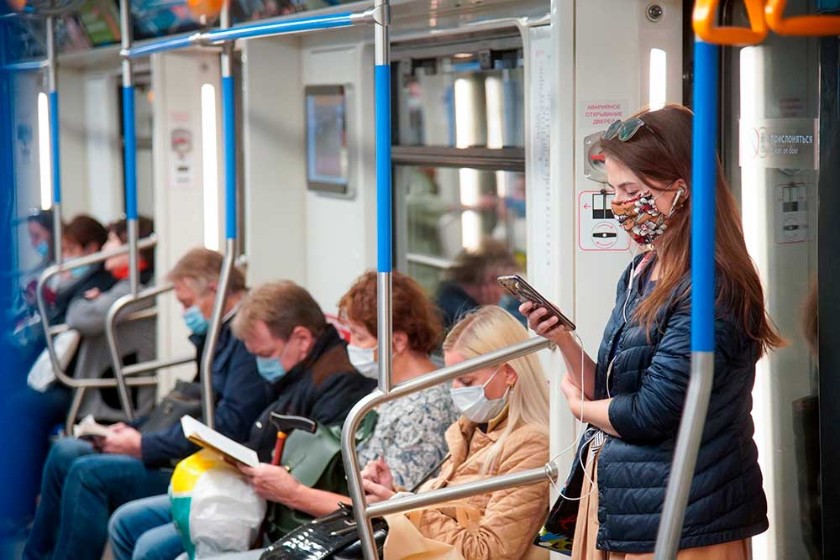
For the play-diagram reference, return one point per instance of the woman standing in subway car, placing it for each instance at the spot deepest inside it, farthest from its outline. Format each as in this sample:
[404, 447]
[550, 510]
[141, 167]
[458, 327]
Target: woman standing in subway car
[632, 396]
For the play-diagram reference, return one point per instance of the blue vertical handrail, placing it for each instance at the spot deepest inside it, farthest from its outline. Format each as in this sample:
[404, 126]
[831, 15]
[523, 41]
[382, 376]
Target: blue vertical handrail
[55, 148]
[229, 133]
[55, 138]
[381, 17]
[229, 158]
[382, 99]
[703, 185]
[130, 152]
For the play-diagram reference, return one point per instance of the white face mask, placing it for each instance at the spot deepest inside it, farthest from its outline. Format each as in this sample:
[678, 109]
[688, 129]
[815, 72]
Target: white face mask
[474, 404]
[362, 360]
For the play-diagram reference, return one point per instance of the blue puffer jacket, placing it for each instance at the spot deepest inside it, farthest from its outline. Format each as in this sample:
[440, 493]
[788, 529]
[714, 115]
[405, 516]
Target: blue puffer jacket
[648, 384]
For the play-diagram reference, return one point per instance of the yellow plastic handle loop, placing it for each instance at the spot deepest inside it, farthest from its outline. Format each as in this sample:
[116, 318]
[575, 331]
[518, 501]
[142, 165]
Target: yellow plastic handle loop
[803, 26]
[705, 16]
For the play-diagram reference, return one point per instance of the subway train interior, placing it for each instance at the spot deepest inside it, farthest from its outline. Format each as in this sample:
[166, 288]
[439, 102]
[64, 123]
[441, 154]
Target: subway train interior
[274, 149]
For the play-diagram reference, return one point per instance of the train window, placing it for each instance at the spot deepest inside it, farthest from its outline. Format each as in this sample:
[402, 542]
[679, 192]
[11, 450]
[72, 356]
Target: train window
[456, 102]
[459, 158]
[447, 209]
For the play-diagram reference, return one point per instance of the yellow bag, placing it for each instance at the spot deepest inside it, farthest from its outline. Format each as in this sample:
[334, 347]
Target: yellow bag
[405, 542]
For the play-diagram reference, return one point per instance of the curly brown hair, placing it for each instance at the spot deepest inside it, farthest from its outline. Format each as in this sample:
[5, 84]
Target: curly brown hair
[413, 311]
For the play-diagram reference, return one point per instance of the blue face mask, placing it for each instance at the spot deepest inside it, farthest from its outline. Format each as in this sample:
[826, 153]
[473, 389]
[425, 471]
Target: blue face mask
[77, 273]
[271, 369]
[43, 249]
[195, 321]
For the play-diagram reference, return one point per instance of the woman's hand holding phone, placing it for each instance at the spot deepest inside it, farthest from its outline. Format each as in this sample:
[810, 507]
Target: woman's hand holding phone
[543, 323]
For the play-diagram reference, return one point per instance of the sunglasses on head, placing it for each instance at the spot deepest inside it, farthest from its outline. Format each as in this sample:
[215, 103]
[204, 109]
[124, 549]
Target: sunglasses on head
[623, 130]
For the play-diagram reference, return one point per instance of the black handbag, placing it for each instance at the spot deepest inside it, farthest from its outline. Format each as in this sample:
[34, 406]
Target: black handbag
[185, 398]
[332, 536]
[559, 528]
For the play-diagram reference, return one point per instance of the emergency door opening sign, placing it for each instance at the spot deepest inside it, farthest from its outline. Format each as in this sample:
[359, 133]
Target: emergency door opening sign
[597, 228]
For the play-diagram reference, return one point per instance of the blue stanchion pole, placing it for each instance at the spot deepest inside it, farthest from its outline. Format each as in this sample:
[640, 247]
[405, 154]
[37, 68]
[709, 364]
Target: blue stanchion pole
[130, 152]
[703, 185]
[384, 203]
[229, 128]
[704, 181]
[55, 147]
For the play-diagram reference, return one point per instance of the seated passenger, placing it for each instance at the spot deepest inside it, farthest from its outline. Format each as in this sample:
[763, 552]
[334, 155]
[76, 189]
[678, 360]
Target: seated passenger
[471, 281]
[408, 433]
[34, 413]
[504, 429]
[83, 482]
[88, 314]
[84, 236]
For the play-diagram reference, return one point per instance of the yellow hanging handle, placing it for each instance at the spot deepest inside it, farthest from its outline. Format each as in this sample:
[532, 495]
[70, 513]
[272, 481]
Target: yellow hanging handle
[803, 26]
[704, 21]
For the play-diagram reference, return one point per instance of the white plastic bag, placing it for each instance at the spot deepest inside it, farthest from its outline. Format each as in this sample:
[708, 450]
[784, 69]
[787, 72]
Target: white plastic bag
[41, 374]
[214, 507]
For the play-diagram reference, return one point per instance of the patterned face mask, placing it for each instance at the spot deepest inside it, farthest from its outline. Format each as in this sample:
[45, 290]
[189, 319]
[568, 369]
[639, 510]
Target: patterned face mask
[640, 217]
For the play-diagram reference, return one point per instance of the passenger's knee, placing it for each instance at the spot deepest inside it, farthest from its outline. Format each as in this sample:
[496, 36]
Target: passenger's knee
[116, 526]
[85, 471]
[64, 453]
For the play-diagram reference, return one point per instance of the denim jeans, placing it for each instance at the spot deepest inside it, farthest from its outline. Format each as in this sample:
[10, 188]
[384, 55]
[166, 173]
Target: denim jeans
[79, 491]
[143, 530]
[26, 420]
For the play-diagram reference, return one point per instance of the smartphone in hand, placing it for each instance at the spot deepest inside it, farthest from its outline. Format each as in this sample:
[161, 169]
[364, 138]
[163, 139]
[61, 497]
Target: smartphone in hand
[516, 286]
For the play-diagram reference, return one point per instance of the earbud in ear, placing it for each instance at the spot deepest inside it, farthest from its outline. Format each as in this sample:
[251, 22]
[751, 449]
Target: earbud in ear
[680, 193]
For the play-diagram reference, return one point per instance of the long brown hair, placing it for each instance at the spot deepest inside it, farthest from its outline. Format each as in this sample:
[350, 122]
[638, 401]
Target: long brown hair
[660, 154]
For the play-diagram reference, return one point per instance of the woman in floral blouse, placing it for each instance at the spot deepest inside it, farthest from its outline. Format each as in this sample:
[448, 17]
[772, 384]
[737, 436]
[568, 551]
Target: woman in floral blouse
[409, 434]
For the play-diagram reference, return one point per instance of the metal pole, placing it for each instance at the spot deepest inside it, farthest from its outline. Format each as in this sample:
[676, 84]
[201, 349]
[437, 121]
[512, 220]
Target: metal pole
[55, 143]
[432, 497]
[129, 148]
[382, 117]
[368, 403]
[704, 182]
[382, 110]
[229, 137]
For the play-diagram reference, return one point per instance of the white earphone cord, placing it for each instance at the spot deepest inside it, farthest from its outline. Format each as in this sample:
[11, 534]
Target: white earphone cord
[578, 434]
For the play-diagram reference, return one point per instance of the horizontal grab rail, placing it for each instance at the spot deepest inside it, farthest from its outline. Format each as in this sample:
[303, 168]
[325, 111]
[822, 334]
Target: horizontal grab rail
[28, 66]
[251, 31]
[465, 490]
[153, 365]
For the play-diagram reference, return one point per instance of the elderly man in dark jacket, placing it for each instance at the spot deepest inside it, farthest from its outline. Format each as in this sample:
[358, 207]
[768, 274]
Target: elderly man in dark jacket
[304, 359]
[82, 487]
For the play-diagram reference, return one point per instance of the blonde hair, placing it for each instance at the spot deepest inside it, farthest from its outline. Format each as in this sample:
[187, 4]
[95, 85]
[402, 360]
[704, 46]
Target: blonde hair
[200, 267]
[282, 306]
[491, 328]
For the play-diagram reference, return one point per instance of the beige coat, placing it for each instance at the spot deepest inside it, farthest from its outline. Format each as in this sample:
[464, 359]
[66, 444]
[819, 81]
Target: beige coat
[510, 518]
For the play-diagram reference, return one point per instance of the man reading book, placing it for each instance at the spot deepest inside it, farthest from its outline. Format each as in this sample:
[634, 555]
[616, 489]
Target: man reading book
[83, 482]
[307, 363]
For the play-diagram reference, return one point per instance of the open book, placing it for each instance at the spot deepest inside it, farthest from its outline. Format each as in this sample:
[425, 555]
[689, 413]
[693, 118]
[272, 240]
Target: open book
[201, 435]
[89, 428]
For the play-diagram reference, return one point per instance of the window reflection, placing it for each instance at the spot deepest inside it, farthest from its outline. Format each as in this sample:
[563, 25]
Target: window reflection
[458, 104]
[450, 209]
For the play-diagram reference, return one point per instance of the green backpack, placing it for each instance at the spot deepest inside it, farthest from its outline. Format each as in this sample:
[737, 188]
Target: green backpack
[315, 461]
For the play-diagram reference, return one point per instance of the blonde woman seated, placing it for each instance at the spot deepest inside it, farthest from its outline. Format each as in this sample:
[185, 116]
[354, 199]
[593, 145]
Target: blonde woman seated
[503, 429]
